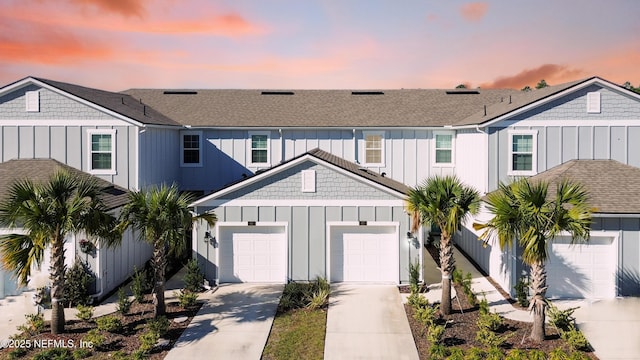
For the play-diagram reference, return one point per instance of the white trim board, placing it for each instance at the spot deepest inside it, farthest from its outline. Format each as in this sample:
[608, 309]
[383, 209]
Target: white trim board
[303, 202]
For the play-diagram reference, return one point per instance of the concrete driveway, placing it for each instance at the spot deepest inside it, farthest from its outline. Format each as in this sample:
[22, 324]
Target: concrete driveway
[612, 327]
[234, 323]
[367, 322]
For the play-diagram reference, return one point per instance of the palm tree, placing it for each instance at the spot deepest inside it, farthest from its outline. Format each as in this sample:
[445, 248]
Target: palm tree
[445, 202]
[523, 211]
[49, 212]
[162, 216]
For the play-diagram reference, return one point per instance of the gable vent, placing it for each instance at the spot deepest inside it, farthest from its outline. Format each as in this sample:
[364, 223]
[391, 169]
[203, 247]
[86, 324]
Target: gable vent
[179, 92]
[367, 93]
[277, 93]
[32, 101]
[463, 92]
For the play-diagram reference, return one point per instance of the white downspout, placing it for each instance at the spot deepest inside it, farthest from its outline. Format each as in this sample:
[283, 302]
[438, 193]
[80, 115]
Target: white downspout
[355, 147]
[281, 146]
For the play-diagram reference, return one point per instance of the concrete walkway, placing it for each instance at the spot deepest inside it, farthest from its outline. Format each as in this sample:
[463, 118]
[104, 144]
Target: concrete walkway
[367, 322]
[234, 323]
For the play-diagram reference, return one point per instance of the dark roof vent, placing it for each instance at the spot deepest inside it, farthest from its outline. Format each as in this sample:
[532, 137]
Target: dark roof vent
[463, 92]
[277, 93]
[367, 93]
[180, 92]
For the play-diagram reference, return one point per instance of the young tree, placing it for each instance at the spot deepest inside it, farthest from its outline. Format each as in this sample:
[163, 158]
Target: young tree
[49, 212]
[162, 216]
[523, 212]
[445, 202]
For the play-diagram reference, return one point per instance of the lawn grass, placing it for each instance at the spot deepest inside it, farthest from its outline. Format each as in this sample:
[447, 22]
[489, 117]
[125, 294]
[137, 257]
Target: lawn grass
[297, 334]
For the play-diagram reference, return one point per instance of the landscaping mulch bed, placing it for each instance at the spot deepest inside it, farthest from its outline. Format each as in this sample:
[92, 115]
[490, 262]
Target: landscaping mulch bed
[461, 330]
[134, 324]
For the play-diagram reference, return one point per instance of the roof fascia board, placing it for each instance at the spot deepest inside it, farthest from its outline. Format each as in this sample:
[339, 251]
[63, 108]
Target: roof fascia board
[614, 215]
[205, 127]
[553, 97]
[28, 80]
[278, 169]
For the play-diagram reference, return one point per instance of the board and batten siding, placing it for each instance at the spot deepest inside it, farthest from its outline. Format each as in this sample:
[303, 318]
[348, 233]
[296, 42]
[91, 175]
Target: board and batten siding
[307, 234]
[565, 131]
[226, 153]
[159, 157]
[59, 131]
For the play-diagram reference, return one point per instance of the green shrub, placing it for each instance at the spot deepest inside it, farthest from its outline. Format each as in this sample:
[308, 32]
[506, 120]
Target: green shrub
[94, 338]
[82, 353]
[561, 319]
[414, 277]
[148, 341]
[483, 306]
[120, 355]
[319, 299]
[537, 355]
[138, 355]
[109, 323]
[17, 353]
[426, 315]
[124, 304]
[139, 284]
[522, 292]
[494, 353]
[77, 281]
[187, 298]
[517, 354]
[490, 321]
[193, 279]
[159, 325]
[490, 339]
[84, 312]
[55, 354]
[322, 284]
[435, 334]
[34, 324]
[456, 354]
[475, 354]
[438, 352]
[457, 276]
[575, 339]
[576, 355]
[416, 300]
[299, 295]
[558, 354]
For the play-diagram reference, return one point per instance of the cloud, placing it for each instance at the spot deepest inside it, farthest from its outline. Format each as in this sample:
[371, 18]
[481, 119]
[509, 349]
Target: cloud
[122, 7]
[474, 11]
[551, 73]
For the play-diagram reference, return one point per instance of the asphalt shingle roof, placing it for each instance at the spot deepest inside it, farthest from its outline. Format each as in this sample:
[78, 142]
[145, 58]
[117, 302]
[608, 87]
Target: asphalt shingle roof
[39, 170]
[614, 188]
[319, 108]
[117, 102]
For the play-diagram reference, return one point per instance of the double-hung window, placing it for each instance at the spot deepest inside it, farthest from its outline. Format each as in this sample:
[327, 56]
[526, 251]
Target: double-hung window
[373, 148]
[102, 151]
[259, 154]
[443, 148]
[191, 148]
[522, 153]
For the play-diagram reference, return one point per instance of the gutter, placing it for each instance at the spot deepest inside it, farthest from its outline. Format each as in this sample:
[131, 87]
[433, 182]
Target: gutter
[614, 215]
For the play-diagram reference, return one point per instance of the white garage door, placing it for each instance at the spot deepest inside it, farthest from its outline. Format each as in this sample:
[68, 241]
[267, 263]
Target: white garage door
[253, 254]
[364, 254]
[582, 271]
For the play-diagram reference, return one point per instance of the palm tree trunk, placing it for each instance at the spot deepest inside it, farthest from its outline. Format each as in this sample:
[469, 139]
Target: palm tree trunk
[446, 267]
[57, 286]
[159, 265]
[538, 305]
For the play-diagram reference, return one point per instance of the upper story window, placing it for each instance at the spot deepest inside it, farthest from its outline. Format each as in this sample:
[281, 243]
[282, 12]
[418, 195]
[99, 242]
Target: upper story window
[443, 148]
[259, 152]
[373, 148]
[191, 148]
[522, 153]
[102, 151]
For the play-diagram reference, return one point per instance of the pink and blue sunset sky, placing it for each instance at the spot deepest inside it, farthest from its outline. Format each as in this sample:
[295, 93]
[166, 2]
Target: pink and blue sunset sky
[313, 44]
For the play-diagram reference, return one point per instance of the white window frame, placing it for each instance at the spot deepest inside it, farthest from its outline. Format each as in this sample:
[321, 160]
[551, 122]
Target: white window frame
[364, 148]
[453, 149]
[32, 101]
[534, 153]
[593, 102]
[250, 148]
[112, 133]
[182, 135]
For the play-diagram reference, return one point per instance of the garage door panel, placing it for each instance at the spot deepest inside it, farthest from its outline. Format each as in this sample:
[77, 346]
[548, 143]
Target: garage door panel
[582, 270]
[364, 254]
[253, 254]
